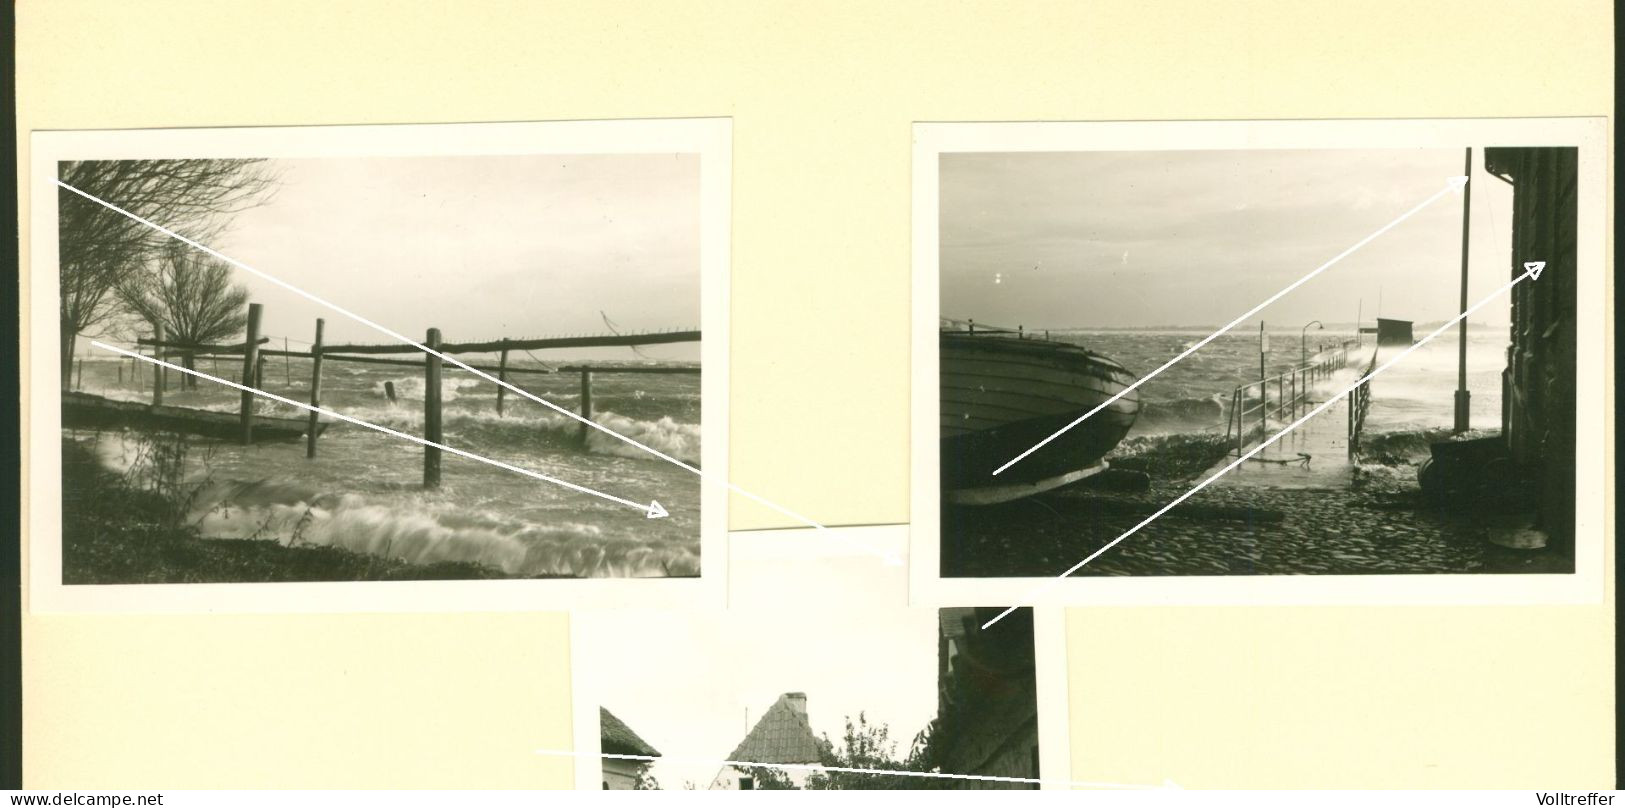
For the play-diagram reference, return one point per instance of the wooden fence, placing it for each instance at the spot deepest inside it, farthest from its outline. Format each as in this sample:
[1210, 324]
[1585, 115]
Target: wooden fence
[254, 359]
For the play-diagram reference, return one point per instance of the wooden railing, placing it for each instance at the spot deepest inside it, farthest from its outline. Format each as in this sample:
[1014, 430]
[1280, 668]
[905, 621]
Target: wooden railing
[1251, 407]
[1359, 406]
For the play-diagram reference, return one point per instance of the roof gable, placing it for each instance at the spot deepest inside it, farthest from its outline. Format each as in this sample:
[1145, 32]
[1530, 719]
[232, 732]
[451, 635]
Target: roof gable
[781, 736]
[616, 738]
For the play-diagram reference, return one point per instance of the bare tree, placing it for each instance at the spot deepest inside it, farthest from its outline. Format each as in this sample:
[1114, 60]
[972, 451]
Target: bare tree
[191, 294]
[100, 248]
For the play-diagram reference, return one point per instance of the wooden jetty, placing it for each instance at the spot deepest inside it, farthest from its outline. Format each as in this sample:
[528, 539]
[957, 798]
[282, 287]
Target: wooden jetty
[247, 428]
[88, 411]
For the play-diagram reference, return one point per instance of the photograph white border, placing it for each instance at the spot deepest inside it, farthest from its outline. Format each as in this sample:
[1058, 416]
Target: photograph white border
[711, 138]
[1049, 669]
[1594, 333]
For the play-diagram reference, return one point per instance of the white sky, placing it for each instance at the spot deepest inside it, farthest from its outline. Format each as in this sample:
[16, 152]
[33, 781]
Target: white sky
[481, 247]
[683, 680]
[1087, 239]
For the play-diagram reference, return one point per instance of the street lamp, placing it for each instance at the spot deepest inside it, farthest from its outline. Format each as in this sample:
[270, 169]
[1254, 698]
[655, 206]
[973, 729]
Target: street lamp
[1303, 337]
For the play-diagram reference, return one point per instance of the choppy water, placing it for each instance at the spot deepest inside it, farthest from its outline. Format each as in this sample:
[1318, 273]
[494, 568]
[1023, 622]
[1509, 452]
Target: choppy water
[1194, 395]
[364, 491]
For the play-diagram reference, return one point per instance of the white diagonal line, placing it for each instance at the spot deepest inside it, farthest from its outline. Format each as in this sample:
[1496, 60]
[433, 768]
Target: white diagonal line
[1531, 270]
[646, 508]
[890, 558]
[1452, 184]
[848, 770]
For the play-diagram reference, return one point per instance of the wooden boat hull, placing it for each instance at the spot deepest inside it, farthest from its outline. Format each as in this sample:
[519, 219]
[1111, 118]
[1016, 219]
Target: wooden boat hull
[87, 411]
[1001, 395]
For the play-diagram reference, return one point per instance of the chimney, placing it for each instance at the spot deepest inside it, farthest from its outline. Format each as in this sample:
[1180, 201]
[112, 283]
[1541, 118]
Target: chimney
[797, 702]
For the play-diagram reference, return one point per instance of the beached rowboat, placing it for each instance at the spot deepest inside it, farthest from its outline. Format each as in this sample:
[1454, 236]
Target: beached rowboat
[1002, 393]
[87, 411]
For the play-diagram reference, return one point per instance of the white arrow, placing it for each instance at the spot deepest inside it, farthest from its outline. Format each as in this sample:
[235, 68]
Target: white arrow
[891, 559]
[651, 510]
[1532, 270]
[1452, 184]
[1166, 784]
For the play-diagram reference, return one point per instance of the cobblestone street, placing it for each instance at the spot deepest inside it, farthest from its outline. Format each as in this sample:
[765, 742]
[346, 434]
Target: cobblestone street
[1379, 525]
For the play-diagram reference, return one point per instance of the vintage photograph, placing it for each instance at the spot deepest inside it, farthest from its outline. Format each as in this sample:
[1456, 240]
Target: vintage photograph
[1281, 328]
[556, 435]
[686, 703]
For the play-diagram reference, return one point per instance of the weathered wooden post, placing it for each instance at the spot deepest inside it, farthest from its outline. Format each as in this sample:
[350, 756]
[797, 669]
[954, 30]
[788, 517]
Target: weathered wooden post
[121, 374]
[586, 401]
[79, 382]
[389, 390]
[157, 370]
[315, 389]
[1239, 405]
[502, 376]
[251, 357]
[259, 372]
[431, 410]
[1263, 407]
[287, 363]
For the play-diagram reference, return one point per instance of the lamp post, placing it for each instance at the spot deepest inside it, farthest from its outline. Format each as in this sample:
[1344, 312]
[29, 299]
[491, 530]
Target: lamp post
[1463, 397]
[1303, 344]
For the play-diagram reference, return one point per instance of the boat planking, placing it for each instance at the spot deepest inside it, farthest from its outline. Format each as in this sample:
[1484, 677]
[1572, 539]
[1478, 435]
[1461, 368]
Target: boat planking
[88, 411]
[1003, 392]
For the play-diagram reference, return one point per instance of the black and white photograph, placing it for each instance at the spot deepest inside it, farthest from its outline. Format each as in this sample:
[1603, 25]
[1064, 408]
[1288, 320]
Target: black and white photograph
[803, 696]
[412, 366]
[1181, 362]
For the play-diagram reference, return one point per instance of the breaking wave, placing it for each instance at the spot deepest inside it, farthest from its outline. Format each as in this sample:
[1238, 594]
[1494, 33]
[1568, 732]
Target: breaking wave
[294, 514]
[549, 432]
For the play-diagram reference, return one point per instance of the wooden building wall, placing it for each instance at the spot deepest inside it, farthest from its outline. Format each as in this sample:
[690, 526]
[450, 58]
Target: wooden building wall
[1538, 401]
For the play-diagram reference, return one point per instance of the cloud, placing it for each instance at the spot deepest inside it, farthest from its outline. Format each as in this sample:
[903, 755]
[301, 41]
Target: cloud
[1212, 233]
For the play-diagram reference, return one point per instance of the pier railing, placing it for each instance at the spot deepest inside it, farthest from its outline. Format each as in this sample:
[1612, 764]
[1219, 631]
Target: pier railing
[1252, 408]
[1359, 406]
[253, 358]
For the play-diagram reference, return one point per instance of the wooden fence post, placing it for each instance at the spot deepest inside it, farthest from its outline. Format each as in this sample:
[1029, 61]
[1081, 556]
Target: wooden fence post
[586, 402]
[157, 370]
[315, 389]
[287, 363]
[251, 356]
[431, 411]
[79, 383]
[502, 376]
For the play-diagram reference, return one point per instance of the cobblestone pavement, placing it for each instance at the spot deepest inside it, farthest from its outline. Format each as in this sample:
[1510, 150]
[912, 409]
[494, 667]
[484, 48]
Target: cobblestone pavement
[1380, 526]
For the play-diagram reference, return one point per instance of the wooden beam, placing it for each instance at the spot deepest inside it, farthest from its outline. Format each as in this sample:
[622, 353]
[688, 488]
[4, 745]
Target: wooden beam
[157, 370]
[431, 410]
[315, 388]
[200, 348]
[586, 403]
[250, 368]
[502, 376]
[629, 369]
[599, 341]
[329, 355]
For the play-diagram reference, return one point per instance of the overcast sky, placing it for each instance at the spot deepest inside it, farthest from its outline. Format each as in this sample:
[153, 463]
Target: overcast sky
[684, 681]
[481, 247]
[1088, 239]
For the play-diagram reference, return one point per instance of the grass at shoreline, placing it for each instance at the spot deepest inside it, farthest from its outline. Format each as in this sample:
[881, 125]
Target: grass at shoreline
[115, 533]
